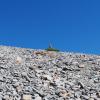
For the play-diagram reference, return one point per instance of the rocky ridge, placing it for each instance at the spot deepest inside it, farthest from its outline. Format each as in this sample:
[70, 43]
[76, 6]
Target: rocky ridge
[27, 74]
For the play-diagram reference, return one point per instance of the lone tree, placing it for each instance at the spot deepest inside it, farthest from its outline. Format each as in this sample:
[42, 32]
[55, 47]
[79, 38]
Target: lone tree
[50, 48]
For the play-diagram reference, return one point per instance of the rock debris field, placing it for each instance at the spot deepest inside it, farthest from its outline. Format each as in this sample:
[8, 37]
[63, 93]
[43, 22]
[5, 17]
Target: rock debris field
[28, 74]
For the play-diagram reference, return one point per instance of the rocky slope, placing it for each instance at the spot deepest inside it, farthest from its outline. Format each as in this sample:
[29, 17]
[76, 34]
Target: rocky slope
[27, 74]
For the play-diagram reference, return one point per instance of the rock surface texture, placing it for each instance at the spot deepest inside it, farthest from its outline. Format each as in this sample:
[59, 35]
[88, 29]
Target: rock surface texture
[27, 74]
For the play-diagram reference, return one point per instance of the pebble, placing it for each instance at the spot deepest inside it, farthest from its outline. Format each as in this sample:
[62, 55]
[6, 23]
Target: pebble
[1, 79]
[18, 60]
[37, 97]
[18, 88]
[27, 97]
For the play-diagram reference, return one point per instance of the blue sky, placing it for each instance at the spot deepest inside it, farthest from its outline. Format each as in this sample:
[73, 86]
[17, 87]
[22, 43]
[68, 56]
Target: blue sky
[70, 25]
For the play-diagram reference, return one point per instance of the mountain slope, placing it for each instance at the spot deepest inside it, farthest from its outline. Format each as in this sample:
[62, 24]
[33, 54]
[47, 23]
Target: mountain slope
[27, 74]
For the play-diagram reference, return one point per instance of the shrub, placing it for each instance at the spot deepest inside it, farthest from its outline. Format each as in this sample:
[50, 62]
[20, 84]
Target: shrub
[52, 49]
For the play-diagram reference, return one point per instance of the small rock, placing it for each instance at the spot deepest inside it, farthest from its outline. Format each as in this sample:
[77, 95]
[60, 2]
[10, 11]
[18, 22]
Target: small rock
[48, 77]
[18, 88]
[98, 94]
[37, 97]
[26, 97]
[1, 79]
[91, 99]
[81, 66]
[64, 94]
[6, 97]
[18, 60]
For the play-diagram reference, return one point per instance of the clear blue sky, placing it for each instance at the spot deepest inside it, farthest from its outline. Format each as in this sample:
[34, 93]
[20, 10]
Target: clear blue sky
[70, 25]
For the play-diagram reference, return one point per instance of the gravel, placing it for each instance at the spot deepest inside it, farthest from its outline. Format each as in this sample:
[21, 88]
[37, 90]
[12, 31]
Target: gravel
[28, 74]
